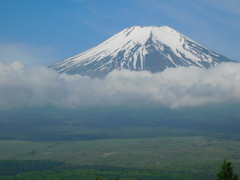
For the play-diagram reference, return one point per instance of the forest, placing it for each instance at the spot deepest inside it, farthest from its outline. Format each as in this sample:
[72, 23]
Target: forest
[137, 143]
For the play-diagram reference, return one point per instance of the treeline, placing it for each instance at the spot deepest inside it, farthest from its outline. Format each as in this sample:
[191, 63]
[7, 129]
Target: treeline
[49, 170]
[13, 167]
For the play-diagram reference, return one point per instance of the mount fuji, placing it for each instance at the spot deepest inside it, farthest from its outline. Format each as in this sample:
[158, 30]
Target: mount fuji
[140, 48]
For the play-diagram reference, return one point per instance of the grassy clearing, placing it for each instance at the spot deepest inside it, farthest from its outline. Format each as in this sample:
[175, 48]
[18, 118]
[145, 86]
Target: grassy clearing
[191, 152]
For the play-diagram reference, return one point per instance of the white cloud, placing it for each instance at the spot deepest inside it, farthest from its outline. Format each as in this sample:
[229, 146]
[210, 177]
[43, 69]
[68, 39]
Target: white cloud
[174, 88]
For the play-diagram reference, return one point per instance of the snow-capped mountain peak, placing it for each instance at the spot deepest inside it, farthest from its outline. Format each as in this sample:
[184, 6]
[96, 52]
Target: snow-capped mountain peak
[137, 48]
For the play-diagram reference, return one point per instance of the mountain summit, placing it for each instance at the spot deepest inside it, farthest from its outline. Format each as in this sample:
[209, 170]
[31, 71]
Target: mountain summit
[139, 48]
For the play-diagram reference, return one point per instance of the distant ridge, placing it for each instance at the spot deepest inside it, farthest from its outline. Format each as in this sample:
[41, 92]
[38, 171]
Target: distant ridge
[139, 48]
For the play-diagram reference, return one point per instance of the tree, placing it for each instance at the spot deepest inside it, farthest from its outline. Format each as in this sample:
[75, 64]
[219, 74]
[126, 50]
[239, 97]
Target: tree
[226, 172]
[98, 178]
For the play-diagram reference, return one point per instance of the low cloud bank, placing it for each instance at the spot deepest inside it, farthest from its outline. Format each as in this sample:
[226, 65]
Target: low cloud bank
[174, 88]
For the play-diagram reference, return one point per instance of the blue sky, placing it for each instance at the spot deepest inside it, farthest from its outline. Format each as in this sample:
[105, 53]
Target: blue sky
[43, 32]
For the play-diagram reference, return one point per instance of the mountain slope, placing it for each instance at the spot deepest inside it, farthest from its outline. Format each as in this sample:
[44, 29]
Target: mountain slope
[141, 48]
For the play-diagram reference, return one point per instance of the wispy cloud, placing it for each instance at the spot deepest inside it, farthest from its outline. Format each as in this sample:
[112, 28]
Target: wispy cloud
[98, 26]
[27, 54]
[178, 10]
[212, 23]
[230, 6]
[174, 88]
